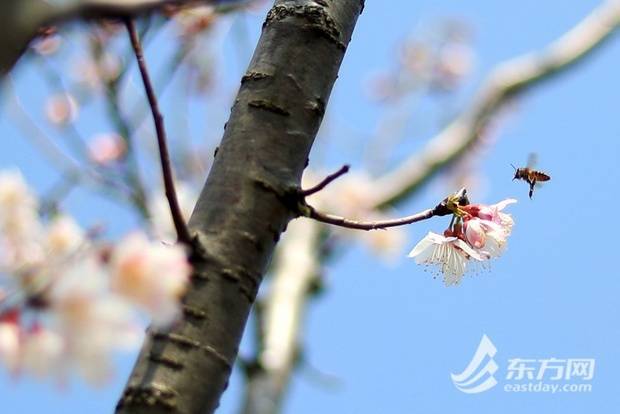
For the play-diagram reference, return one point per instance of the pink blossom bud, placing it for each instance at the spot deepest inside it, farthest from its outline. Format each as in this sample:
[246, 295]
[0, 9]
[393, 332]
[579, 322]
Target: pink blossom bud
[61, 109]
[107, 148]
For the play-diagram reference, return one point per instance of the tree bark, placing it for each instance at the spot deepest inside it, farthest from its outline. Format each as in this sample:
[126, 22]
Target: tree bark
[245, 204]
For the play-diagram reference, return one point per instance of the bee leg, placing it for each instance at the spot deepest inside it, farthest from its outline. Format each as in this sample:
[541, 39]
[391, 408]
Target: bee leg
[532, 184]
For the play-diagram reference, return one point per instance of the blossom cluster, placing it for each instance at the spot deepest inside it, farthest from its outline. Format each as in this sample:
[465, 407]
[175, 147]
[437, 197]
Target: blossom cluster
[67, 300]
[477, 233]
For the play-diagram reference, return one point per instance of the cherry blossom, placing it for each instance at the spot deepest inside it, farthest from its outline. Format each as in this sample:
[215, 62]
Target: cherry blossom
[477, 233]
[42, 353]
[486, 236]
[105, 149]
[19, 223]
[68, 301]
[487, 228]
[152, 275]
[9, 340]
[61, 109]
[450, 253]
[492, 212]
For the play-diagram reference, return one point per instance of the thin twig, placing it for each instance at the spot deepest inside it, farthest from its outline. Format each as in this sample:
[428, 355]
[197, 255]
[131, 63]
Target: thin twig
[55, 80]
[175, 210]
[50, 202]
[326, 181]
[131, 170]
[441, 209]
[369, 225]
[55, 155]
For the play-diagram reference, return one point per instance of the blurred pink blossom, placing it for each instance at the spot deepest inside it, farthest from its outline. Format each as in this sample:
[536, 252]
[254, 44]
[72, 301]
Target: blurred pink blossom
[61, 109]
[107, 148]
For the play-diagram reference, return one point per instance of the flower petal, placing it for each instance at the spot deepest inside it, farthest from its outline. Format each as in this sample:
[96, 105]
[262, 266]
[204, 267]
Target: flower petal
[428, 240]
[502, 204]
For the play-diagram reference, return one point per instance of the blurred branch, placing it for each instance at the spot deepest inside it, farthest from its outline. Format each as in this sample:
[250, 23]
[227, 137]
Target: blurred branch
[20, 20]
[112, 101]
[158, 119]
[72, 135]
[68, 166]
[294, 274]
[54, 196]
[37, 137]
[164, 78]
[505, 82]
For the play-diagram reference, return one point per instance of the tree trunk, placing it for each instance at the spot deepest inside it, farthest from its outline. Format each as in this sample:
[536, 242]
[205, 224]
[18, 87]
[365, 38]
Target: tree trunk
[245, 204]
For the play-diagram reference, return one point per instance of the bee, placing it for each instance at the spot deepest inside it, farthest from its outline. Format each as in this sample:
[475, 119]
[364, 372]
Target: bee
[529, 174]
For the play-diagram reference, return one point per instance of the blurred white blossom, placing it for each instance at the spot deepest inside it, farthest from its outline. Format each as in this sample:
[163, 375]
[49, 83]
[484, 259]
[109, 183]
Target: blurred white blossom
[42, 353]
[9, 343]
[152, 275]
[63, 236]
[19, 222]
[68, 302]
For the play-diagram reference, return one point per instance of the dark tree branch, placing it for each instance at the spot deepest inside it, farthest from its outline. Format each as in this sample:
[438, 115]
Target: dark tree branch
[326, 181]
[369, 225]
[158, 119]
[307, 210]
[241, 211]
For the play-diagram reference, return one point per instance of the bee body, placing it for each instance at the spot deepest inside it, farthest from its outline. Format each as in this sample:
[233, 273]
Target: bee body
[529, 174]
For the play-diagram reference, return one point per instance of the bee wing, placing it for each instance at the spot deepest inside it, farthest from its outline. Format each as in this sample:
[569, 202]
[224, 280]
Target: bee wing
[532, 160]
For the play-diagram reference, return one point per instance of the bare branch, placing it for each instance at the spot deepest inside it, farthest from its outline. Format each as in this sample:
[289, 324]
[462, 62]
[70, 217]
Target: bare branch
[369, 225]
[326, 181]
[506, 81]
[442, 209]
[158, 119]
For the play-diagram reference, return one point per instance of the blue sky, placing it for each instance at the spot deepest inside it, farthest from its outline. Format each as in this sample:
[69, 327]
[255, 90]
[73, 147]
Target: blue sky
[391, 334]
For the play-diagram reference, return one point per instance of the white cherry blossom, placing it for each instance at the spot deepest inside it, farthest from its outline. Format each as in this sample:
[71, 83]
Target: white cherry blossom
[451, 254]
[152, 275]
